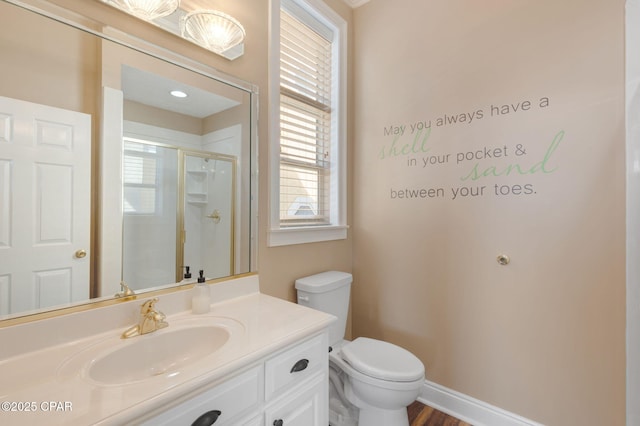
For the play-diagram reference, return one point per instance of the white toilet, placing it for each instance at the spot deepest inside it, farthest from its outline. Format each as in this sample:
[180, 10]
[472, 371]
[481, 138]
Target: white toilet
[371, 382]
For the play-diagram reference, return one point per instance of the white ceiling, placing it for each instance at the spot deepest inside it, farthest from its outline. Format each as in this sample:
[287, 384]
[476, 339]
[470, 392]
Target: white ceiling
[154, 90]
[355, 3]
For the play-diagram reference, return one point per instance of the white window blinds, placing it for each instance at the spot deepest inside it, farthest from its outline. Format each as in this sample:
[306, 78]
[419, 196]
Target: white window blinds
[305, 124]
[140, 168]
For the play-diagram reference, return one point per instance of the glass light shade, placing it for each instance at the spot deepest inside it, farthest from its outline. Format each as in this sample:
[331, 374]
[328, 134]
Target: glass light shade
[213, 30]
[146, 9]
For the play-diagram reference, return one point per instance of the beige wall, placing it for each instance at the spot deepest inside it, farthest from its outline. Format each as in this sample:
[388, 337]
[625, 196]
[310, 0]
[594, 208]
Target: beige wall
[543, 337]
[63, 77]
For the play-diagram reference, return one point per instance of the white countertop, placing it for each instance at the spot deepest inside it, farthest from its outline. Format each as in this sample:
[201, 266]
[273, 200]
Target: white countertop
[60, 395]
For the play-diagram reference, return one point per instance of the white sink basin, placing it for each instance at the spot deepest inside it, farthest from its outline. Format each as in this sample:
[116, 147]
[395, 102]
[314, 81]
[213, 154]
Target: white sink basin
[166, 352]
[156, 354]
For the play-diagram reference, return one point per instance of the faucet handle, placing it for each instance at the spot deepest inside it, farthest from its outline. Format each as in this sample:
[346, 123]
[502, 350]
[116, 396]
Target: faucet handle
[149, 306]
[125, 291]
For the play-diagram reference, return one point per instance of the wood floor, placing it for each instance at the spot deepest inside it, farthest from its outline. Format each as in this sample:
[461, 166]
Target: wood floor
[422, 415]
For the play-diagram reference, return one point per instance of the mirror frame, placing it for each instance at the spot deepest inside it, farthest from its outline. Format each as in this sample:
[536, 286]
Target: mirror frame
[104, 31]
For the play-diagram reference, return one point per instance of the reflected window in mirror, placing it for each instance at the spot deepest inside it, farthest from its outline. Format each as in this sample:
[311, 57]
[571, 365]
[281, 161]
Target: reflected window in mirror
[142, 172]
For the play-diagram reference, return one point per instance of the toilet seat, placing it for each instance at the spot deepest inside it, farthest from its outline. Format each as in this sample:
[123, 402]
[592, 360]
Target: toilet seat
[382, 360]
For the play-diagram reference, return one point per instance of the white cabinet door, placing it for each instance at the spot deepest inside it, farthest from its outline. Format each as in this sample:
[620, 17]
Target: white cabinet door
[306, 406]
[45, 201]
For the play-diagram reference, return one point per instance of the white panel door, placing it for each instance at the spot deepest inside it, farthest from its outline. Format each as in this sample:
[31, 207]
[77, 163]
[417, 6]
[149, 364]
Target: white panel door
[45, 193]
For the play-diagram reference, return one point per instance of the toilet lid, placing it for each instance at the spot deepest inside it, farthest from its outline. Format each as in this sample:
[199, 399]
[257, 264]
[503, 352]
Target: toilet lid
[382, 360]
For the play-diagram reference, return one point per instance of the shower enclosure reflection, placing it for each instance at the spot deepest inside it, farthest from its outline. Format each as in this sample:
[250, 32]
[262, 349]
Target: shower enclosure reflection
[179, 158]
[150, 196]
[209, 188]
[178, 213]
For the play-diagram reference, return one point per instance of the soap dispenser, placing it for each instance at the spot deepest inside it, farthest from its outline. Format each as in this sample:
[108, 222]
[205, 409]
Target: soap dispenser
[186, 278]
[201, 300]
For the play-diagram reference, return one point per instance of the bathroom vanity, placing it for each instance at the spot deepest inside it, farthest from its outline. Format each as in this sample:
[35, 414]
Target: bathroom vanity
[253, 360]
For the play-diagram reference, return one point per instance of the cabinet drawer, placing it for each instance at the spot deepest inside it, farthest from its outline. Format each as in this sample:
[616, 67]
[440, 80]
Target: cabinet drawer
[296, 364]
[233, 397]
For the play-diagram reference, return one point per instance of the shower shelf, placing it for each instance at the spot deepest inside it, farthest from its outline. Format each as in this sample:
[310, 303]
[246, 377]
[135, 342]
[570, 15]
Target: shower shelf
[197, 198]
[196, 186]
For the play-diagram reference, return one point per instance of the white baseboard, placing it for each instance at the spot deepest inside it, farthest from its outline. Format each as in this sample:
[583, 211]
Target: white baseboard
[469, 409]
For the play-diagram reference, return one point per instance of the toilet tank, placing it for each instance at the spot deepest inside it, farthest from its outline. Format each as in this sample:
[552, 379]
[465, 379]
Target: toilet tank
[328, 292]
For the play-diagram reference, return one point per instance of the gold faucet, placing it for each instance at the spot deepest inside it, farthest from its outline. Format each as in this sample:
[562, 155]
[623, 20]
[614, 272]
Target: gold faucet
[125, 291]
[150, 320]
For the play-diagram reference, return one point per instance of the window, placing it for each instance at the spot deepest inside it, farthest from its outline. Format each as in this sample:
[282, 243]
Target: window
[141, 167]
[308, 144]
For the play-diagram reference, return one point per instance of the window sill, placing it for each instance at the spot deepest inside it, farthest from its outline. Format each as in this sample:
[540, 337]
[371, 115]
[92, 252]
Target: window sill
[303, 235]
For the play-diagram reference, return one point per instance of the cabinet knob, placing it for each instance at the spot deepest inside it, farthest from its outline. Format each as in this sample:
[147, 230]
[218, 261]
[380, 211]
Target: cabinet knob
[278, 422]
[299, 366]
[207, 419]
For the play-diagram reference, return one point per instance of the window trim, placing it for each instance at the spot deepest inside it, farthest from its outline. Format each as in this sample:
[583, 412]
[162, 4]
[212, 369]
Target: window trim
[337, 230]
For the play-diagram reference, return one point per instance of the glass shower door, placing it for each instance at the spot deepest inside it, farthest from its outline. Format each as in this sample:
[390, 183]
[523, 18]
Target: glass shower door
[208, 213]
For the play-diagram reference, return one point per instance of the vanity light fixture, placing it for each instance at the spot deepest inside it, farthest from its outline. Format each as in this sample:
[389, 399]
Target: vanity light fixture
[146, 9]
[212, 29]
[178, 94]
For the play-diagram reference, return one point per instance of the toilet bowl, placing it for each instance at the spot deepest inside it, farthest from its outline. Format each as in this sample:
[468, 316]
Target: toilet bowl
[371, 382]
[382, 380]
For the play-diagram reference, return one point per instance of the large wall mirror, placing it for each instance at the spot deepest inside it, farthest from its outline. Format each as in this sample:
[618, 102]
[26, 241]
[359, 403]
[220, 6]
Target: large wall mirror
[119, 162]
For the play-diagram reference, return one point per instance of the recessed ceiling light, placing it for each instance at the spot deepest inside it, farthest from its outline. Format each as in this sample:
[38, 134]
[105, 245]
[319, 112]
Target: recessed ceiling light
[178, 94]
